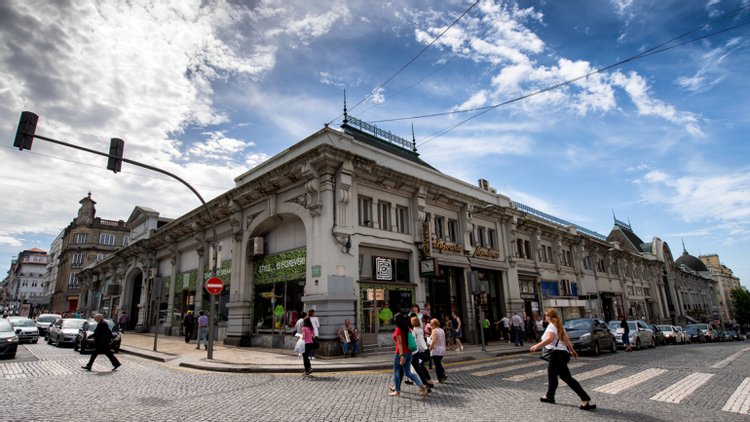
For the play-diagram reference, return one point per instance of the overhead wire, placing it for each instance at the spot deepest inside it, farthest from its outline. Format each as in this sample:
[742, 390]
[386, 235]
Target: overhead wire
[651, 51]
[371, 93]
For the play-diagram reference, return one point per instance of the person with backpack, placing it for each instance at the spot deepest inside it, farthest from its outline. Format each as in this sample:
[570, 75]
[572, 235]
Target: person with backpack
[405, 346]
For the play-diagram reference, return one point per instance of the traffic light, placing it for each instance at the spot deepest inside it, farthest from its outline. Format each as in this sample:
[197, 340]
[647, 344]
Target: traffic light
[116, 148]
[26, 130]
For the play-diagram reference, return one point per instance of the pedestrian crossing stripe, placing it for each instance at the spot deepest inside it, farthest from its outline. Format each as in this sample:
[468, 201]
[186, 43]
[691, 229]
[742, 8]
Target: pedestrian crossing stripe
[631, 381]
[604, 370]
[483, 365]
[506, 369]
[724, 363]
[683, 388]
[739, 402]
[534, 374]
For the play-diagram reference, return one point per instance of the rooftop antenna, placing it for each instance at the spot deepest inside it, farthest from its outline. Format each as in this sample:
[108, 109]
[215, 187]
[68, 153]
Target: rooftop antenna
[684, 250]
[346, 117]
[413, 139]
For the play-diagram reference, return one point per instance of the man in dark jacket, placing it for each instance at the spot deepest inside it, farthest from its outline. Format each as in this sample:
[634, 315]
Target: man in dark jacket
[102, 339]
[188, 322]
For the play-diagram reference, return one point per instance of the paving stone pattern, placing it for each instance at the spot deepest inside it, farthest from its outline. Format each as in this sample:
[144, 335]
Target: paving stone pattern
[52, 386]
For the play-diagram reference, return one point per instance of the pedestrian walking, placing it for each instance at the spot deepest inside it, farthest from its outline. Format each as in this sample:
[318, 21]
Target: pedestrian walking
[428, 337]
[403, 356]
[516, 324]
[556, 340]
[437, 349]
[539, 327]
[504, 325]
[457, 331]
[625, 333]
[308, 333]
[420, 357]
[102, 341]
[529, 328]
[122, 321]
[202, 330]
[448, 332]
[188, 323]
[316, 331]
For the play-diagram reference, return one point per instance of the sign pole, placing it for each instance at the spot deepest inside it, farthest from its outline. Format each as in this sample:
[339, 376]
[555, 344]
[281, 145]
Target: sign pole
[214, 286]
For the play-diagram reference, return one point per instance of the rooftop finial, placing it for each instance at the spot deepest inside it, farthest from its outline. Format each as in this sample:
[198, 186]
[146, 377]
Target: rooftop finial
[346, 117]
[684, 249]
[413, 139]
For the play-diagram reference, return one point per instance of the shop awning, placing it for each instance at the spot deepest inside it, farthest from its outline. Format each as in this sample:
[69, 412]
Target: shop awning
[694, 321]
[529, 273]
[487, 264]
[453, 260]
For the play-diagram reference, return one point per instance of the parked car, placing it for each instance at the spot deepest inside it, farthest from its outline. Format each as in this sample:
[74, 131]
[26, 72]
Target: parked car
[25, 329]
[43, 322]
[732, 335]
[659, 337]
[64, 331]
[695, 334]
[708, 332]
[8, 340]
[682, 333]
[85, 336]
[640, 334]
[590, 334]
[670, 335]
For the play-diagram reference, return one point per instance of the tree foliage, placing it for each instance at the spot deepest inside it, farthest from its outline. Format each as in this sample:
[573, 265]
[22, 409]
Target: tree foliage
[741, 303]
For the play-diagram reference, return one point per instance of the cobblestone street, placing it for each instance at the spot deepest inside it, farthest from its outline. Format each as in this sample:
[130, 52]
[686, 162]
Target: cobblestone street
[696, 382]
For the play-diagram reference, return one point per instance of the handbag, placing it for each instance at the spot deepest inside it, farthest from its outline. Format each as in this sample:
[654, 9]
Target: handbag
[412, 343]
[547, 353]
[299, 347]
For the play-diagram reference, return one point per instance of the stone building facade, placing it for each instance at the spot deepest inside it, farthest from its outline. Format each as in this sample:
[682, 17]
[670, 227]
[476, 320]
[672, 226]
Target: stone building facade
[726, 282]
[85, 241]
[354, 224]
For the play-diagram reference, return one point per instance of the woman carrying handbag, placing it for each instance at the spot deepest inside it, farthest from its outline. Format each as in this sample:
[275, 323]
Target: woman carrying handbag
[557, 349]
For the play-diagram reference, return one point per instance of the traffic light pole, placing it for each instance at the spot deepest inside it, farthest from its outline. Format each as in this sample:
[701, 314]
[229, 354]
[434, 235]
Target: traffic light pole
[27, 131]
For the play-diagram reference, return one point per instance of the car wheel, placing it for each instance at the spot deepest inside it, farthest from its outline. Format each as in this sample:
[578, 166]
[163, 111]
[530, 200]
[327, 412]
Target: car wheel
[637, 344]
[613, 348]
[49, 340]
[595, 348]
[653, 343]
[36, 340]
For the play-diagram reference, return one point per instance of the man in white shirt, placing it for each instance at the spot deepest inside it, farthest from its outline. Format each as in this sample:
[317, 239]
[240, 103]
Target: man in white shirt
[504, 324]
[516, 324]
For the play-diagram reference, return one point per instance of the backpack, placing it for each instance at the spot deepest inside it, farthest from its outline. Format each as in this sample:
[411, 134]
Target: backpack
[412, 343]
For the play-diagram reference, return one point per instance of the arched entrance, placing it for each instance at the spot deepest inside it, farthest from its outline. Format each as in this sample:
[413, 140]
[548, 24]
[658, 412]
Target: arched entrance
[132, 297]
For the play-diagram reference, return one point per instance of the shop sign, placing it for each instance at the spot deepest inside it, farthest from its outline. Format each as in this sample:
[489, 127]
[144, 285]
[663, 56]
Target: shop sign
[534, 306]
[375, 294]
[426, 240]
[284, 266]
[443, 246]
[315, 270]
[383, 269]
[528, 296]
[482, 252]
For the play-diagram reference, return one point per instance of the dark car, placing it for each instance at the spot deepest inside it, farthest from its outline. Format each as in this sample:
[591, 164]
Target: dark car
[8, 340]
[63, 331]
[43, 322]
[25, 329]
[659, 338]
[731, 335]
[590, 334]
[695, 334]
[707, 331]
[85, 337]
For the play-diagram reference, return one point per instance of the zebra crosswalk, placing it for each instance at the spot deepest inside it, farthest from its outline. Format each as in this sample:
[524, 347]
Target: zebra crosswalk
[617, 379]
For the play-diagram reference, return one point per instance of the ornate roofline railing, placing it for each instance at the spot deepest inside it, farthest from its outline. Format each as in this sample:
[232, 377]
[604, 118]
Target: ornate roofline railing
[559, 221]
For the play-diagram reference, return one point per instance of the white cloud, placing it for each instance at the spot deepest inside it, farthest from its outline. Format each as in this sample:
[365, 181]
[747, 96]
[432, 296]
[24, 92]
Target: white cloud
[218, 147]
[10, 241]
[711, 71]
[722, 198]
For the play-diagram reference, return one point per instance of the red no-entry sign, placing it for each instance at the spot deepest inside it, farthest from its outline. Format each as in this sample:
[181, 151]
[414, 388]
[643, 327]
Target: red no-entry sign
[214, 285]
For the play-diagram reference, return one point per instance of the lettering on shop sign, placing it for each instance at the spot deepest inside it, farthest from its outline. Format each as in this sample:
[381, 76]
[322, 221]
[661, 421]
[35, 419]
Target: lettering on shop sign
[482, 252]
[426, 249]
[280, 265]
[443, 246]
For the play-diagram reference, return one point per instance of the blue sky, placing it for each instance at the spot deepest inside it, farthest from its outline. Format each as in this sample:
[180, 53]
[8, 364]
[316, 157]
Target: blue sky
[208, 89]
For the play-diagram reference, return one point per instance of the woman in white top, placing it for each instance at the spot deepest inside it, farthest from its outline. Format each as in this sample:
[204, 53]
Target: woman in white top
[420, 357]
[556, 339]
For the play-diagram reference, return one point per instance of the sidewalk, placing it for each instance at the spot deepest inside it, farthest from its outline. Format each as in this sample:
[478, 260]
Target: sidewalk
[174, 351]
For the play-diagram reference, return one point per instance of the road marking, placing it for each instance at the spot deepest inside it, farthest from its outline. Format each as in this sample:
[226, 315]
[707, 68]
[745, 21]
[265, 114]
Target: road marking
[475, 366]
[604, 370]
[739, 402]
[724, 363]
[683, 388]
[506, 369]
[534, 374]
[631, 381]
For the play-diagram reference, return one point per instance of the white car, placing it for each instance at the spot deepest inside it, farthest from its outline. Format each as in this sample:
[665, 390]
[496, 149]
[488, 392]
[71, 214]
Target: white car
[671, 334]
[640, 334]
[25, 328]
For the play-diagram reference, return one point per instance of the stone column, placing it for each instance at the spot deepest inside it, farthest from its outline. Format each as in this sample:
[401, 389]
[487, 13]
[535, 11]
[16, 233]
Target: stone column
[239, 327]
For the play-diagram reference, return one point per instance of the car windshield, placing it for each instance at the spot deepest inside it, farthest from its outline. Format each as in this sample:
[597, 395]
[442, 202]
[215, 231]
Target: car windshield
[5, 326]
[73, 323]
[698, 326]
[691, 329]
[577, 324]
[664, 327]
[25, 322]
[47, 318]
[92, 324]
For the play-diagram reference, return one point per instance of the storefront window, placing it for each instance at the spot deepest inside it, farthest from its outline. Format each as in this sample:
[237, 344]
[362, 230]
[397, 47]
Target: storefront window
[379, 304]
[279, 286]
